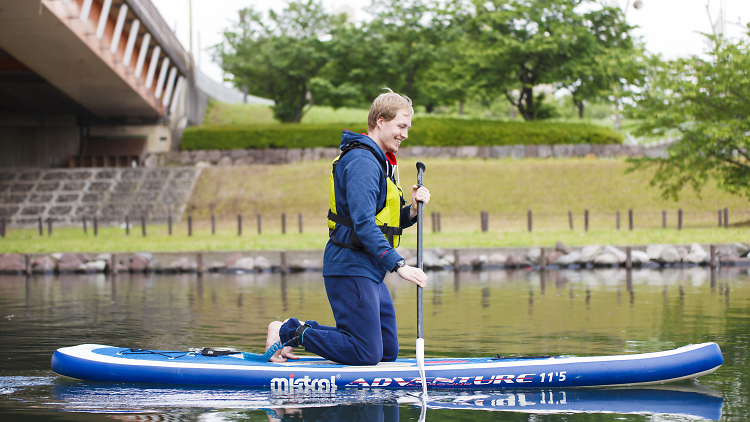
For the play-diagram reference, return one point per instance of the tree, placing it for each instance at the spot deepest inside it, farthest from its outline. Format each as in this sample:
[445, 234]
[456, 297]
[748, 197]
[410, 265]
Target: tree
[399, 48]
[611, 64]
[277, 57]
[520, 44]
[707, 102]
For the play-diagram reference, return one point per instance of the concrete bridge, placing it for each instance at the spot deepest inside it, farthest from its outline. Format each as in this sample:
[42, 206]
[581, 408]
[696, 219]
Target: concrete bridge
[99, 81]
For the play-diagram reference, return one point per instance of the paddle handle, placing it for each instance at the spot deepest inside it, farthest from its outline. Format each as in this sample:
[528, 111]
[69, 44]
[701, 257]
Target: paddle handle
[420, 206]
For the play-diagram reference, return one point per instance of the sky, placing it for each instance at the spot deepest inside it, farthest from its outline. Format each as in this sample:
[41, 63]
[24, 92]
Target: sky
[668, 27]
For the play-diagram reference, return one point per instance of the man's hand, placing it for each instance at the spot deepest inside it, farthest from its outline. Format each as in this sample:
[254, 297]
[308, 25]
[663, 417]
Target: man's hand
[418, 195]
[413, 274]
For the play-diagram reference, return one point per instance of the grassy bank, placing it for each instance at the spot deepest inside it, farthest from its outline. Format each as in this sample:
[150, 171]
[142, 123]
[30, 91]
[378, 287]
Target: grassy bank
[157, 240]
[460, 190]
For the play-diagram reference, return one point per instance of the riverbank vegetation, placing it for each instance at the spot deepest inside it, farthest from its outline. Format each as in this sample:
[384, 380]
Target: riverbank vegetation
[505, 188]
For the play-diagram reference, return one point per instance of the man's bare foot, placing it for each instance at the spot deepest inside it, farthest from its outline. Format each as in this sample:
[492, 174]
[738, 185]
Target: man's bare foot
[273, 337]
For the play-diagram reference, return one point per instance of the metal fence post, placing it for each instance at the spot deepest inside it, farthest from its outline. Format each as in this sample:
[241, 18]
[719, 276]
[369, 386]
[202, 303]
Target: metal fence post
[259, 224]
[300, 222]
[679, 219]
[143, 224]
[726, 218]
[239, 224]
[190, 225]
[283, 223]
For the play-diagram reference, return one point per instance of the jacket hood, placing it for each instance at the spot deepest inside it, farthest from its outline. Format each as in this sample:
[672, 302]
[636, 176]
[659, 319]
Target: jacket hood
[348, 137]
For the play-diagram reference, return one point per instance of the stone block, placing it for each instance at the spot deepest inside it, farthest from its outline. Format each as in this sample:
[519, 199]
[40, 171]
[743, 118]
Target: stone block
[11, 262]
[611, 150]
[404, 152]
[33, 210]
[238, 153]
[185, 157]
[656, 152]
[60, 210]
[200, 155]
[330, 153]
[214, 156]
[466, 152]
[39, 198]
[308, 154]
[151, 161]
[418, 151]
[543, 151]
[580, 150]
[8, 211]
[484, 152]
[294, 155]
[531, 151]
[562, 151]
[500, 151]
[132, 174]
[29, 176]
[240, 161]
[99, 186]
[14, 199]
[21, 187]
[518, 151]
[597, 149]
[446, 152]
[7, 176]
[225, 161]
[173, 156]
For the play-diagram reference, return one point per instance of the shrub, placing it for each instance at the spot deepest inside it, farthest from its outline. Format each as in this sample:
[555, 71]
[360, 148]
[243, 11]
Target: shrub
[425, 131]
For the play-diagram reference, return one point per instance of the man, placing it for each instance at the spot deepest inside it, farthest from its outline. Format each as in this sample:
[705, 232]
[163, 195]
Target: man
[366, 216]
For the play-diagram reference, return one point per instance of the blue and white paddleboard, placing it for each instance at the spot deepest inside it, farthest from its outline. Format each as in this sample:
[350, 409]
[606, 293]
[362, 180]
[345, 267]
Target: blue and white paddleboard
[95, 362]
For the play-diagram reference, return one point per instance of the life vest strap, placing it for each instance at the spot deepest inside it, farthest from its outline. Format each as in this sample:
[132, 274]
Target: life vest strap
[387, 230]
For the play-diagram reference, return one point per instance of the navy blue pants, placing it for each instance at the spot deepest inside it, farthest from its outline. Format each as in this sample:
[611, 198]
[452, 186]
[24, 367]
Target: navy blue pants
[365, 331]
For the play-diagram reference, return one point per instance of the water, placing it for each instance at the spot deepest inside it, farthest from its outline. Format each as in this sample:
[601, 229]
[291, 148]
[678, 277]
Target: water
[472, 314]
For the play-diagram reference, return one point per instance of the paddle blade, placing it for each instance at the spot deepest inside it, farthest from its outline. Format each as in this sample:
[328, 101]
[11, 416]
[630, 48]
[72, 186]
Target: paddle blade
[420, 364]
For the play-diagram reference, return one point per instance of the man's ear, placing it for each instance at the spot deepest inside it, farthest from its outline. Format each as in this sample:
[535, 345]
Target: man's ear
[379, 123]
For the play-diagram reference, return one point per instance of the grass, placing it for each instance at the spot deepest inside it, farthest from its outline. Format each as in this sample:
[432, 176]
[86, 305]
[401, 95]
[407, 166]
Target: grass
[460, 189]
[72, 239]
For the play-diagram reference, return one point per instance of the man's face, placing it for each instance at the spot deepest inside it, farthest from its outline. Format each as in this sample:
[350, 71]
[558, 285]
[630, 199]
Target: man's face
[394, 132]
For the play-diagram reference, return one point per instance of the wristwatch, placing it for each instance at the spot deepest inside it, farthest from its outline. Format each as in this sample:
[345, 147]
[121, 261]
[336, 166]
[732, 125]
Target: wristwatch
[399, 264]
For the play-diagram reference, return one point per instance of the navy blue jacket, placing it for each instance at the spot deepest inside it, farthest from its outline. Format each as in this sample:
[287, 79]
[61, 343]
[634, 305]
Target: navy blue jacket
[361, 190]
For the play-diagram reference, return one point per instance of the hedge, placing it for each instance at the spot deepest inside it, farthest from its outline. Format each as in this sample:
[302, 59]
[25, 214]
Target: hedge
[424, 131]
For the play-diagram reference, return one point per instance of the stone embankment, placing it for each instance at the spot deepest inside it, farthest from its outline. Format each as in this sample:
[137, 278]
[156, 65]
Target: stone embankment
[561, 256]
[65, 196]
[242, 157]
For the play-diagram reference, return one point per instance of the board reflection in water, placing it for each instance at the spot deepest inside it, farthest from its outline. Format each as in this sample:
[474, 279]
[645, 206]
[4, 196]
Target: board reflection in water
[682, 400]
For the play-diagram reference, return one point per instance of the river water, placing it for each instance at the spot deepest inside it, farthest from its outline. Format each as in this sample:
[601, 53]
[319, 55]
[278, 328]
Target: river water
[512, 313]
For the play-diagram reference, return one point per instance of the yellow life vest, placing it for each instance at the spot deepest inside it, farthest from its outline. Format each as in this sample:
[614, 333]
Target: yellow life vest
[388, 218]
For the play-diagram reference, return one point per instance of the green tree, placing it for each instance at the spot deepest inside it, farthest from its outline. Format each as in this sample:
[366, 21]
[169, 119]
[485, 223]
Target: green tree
[611, 62]
[277, 57]
[706, 101]
[520, 44]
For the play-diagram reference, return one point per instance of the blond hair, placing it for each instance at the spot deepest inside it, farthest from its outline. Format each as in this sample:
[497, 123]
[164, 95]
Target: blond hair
[387, 105]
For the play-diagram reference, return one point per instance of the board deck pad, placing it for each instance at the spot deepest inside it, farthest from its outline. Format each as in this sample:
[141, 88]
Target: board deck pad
[93, 362]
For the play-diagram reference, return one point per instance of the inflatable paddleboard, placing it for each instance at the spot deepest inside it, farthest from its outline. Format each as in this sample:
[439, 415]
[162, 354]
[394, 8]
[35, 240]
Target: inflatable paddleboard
[94, 362]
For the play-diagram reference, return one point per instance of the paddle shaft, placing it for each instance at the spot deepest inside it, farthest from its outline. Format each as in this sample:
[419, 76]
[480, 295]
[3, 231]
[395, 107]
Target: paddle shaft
[420, 264]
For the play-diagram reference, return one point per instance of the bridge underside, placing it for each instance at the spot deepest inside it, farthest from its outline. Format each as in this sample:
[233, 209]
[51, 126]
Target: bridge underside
[69, 76]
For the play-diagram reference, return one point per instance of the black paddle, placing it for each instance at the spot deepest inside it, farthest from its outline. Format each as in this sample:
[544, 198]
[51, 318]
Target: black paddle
[420, 264]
